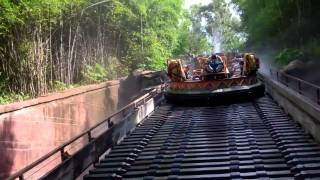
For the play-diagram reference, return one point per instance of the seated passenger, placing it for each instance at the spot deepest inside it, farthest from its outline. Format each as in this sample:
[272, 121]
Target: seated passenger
[175, 70]
[215, 64]
[186, 71]
[236, 66]
[251, 64]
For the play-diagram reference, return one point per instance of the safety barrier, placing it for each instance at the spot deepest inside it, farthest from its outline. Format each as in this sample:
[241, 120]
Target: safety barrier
[64, 155]
[297, 97]
[311, 91]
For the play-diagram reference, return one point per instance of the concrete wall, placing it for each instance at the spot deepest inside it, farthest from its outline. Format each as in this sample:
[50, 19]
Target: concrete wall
[300, 108]
[32, 128]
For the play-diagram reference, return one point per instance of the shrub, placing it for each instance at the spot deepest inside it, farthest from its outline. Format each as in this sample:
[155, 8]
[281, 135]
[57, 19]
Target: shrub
[7, 96]
[98, 73]
[94, 74]
[115, 69]
[289, 54]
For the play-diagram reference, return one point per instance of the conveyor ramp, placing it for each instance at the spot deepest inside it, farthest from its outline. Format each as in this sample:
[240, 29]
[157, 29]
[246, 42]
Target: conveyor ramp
[247, 140]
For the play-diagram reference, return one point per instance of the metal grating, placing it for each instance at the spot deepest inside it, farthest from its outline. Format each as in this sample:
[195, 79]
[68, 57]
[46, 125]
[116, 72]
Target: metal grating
[248, 140]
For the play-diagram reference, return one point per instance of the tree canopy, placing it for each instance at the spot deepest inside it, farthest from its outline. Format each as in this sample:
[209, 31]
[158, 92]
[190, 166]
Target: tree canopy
[282, 24]
[54, 42]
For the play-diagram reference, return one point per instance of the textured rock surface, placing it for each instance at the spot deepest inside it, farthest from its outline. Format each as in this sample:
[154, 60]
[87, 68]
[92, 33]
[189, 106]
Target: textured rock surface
[32, 128]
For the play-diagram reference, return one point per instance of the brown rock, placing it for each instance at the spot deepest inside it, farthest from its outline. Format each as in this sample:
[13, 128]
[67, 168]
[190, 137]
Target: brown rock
[294, 66]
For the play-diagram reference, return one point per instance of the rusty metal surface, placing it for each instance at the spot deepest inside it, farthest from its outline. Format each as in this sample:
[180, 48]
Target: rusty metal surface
[248, 140]
[213, 84]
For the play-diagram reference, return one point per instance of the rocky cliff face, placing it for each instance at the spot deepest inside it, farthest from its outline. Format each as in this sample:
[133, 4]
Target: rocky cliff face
[308, 71]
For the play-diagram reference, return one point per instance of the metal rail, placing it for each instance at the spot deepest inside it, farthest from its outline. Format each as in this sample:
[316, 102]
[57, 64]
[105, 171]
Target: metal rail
[307, 89]
[88, 133]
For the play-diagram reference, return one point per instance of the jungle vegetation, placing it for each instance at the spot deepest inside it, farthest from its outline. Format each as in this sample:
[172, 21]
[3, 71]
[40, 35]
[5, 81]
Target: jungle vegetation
[52, 45]
[290, 28]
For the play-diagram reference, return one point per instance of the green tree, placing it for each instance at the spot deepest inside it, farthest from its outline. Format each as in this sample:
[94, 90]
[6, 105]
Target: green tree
[222, 27]
[43, 42]
[192, 36]
[282, 25]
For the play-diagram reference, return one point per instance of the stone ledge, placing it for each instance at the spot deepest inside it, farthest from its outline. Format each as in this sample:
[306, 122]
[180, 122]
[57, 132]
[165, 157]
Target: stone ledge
[56, 96]
[302, 110]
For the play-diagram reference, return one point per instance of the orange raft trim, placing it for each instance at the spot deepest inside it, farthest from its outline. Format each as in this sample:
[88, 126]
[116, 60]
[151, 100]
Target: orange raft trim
[213, 84]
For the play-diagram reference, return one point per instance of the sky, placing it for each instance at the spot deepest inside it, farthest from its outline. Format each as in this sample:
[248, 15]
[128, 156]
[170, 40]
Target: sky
[189, 3]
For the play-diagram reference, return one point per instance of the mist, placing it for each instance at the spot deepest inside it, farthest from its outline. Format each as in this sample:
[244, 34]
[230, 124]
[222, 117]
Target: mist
[216, 40]
[266, 61]
[302, 69]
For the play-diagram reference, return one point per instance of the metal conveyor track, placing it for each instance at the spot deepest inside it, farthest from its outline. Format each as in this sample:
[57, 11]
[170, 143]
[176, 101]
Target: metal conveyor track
[248, 140]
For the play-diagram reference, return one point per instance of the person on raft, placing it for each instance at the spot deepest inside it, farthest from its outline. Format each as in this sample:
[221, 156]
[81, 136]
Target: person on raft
[215, 64]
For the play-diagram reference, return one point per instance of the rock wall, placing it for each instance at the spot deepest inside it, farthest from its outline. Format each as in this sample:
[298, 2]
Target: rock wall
[32, 128]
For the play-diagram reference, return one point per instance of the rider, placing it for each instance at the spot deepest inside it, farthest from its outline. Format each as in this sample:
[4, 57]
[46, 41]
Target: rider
[215, 64]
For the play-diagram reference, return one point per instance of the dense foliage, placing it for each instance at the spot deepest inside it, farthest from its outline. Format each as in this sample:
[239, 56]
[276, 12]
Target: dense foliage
[286, 55]
[192, 36]
[280, 24]
[57, 43]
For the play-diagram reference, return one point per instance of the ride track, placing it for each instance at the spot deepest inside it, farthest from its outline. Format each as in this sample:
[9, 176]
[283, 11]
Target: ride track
[249, 140]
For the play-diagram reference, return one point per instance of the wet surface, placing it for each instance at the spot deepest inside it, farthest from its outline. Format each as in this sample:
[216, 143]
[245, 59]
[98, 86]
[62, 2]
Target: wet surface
[247, 140]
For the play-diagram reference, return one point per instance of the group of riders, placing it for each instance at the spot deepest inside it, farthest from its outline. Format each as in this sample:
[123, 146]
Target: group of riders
[200, 66]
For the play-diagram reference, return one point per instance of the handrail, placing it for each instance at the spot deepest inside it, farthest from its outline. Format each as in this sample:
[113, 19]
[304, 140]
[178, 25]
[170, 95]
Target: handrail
[60, 149]
[300, 84]
[301, 80]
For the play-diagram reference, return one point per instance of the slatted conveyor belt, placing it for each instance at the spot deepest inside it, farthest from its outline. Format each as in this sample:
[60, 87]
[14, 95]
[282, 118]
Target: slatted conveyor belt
[248, 140]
